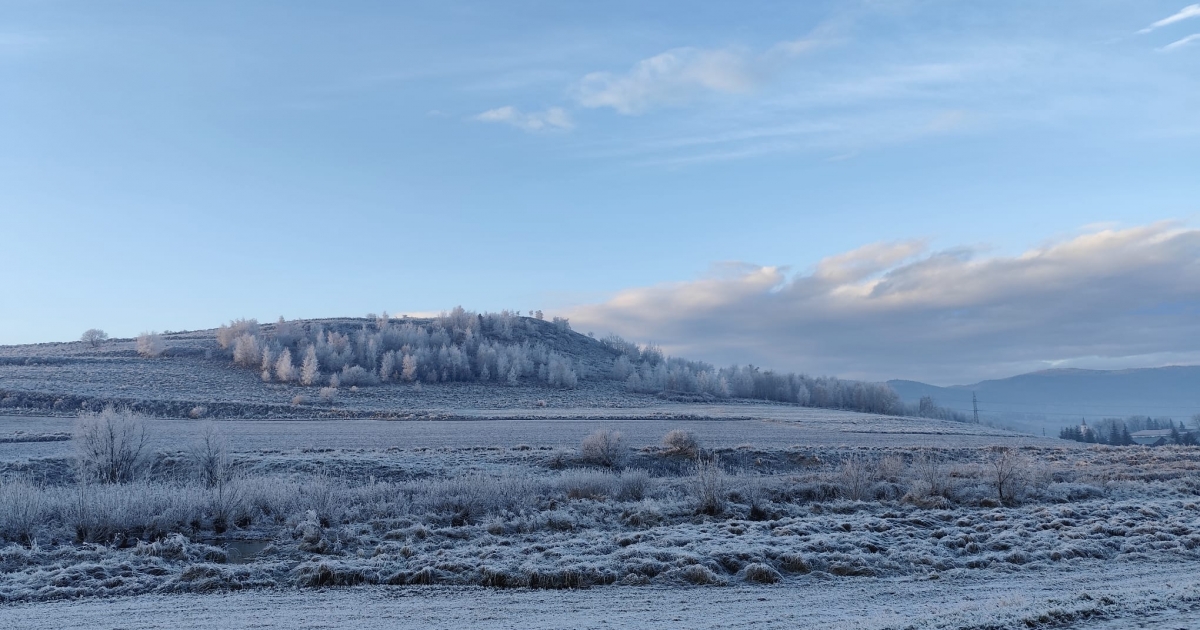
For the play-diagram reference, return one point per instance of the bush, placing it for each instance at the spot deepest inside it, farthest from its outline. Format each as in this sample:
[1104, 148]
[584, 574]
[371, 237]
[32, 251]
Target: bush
[353, 375]
[759, 573]
[680, 442]
[604, 448]
[110, 445]
[22, 511]
[710, 486]
[854, 477]
[150, 344]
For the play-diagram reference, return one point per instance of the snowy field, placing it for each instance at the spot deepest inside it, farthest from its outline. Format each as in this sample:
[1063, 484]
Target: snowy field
[760, 425]
[772, 516]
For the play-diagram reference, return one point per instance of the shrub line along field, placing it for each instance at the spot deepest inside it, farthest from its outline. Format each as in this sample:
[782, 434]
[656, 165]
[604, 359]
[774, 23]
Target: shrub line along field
[1097, 597]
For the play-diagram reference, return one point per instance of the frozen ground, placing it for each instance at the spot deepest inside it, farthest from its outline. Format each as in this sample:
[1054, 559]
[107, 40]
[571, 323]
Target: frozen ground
[1101, 595]
[471, 506]
[759, 425]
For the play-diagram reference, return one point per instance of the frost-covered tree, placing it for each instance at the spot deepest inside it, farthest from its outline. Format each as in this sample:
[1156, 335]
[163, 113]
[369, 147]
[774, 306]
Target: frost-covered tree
[150, 344]
[228, 334]
[387, 366]
[94, 337]
[310, 371]
[268, 360]
[559, 372]
[409, 368]
[285, 370]
[246, 352]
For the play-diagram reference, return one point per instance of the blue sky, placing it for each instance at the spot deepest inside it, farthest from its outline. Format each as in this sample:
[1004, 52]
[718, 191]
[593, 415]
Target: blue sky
[173, 165]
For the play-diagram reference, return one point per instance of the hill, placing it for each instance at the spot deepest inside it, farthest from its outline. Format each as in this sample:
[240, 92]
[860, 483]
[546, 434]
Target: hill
[1056, 398]
[387, 366]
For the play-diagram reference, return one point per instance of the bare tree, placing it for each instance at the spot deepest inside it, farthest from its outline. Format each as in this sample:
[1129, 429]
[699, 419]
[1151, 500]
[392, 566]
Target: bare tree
[210, 454]
[1009, 472]
[110, 445]
[94, 337]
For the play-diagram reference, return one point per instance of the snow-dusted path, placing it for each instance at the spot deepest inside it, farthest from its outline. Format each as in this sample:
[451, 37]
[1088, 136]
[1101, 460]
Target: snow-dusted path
[1108, 596]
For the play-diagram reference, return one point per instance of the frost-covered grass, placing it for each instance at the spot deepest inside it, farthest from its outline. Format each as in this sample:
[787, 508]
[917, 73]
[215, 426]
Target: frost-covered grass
[525, 517]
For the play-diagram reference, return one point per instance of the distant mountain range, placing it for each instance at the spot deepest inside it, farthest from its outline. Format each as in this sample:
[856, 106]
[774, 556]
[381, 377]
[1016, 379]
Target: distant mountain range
[1055, 398]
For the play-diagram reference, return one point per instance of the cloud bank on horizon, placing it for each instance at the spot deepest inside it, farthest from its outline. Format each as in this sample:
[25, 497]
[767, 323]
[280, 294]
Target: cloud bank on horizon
[1105, 298]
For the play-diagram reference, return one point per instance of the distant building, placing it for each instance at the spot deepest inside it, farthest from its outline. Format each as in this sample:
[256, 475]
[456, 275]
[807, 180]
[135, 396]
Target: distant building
[1155, 437]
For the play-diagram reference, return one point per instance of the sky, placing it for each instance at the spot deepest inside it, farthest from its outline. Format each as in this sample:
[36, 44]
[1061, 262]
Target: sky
[931, 190]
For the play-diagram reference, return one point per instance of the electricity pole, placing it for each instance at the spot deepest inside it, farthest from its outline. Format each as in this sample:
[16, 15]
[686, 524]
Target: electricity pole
[975, 406]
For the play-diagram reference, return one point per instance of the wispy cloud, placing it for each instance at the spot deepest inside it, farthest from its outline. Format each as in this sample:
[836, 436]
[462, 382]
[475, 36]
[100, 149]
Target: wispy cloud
[554, 118]
[890, 310]
[1181, 43]
[681, 75]
[669, 78]
[1190, 11]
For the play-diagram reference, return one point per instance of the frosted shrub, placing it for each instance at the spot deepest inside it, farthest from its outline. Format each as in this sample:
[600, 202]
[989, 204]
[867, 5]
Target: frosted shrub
[354, 375]
[328, 394]
[21, 511]
[854, 478]
[588, 484]
[150, 344]
[759, 573]
[710, 486]
[604, 448]
[929, 469]
[633, 485]
[680, 442]
[110, 445]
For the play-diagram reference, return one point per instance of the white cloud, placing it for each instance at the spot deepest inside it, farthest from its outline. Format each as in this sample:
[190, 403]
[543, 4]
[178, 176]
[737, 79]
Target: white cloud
[1181, 43]
[896, 310]
[670, 78]
[554, 118]
[1190, 11]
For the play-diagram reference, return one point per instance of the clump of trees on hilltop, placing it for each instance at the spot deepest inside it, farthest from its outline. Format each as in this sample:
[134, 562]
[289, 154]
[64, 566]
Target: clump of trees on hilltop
[463, 346]
[457, 346]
